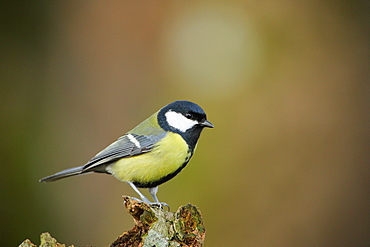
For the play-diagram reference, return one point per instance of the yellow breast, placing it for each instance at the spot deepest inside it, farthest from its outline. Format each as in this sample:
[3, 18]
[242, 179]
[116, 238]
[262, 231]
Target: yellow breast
[166, 157]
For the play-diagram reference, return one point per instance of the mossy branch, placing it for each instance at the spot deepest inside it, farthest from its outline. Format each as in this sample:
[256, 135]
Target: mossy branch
[154, 226]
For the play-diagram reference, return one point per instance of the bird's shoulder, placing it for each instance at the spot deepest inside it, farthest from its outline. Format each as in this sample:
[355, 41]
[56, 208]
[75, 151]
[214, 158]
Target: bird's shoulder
[139, 140]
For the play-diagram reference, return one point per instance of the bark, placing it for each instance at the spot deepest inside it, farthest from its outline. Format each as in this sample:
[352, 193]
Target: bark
[157, 227]
[154, 227]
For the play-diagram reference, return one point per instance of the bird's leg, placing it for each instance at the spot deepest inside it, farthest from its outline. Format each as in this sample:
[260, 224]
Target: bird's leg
[153, 192]
[143, 198]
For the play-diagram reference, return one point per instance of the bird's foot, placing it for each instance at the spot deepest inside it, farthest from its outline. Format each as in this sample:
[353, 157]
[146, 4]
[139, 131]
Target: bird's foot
[158, 204]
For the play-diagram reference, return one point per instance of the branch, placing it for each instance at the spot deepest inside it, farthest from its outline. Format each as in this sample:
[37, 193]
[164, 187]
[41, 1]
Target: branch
[157, 227]
[153, 227]
[46, 240]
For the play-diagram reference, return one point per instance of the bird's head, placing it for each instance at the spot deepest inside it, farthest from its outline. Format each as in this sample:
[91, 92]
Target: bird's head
[182, 117]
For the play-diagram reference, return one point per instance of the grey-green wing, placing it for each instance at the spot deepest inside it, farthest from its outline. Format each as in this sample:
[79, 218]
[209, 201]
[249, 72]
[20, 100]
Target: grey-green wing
[122, 148]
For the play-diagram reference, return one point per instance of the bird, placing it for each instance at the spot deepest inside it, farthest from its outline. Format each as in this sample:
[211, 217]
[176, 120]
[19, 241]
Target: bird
[152, 153]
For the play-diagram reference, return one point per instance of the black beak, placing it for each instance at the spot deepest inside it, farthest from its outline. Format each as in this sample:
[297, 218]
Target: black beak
[206, 123]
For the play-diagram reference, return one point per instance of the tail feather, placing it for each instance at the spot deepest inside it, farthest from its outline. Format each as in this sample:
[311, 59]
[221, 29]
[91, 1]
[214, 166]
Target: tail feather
[64, 174]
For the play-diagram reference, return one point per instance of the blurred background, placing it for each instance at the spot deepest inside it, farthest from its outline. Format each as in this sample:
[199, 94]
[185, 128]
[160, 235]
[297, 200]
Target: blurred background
[286, 83]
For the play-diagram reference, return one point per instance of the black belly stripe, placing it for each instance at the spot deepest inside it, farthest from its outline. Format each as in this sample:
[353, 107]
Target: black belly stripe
[161, 180]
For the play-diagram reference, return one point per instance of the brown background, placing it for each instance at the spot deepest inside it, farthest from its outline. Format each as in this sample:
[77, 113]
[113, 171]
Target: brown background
[284, 82]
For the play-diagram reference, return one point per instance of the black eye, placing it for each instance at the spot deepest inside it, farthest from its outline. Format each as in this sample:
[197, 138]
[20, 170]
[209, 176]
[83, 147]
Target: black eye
[188, 115]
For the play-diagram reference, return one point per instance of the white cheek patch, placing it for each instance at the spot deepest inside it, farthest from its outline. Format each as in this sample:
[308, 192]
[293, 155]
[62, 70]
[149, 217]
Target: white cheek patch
[178, 121]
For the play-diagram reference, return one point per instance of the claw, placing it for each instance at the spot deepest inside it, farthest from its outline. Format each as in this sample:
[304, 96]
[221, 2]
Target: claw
[160, 205]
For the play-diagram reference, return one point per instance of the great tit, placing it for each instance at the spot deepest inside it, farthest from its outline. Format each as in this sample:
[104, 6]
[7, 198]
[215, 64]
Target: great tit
[152, 153]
